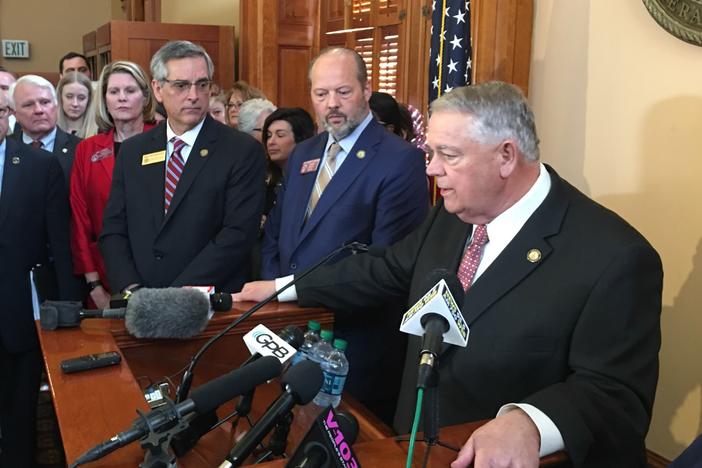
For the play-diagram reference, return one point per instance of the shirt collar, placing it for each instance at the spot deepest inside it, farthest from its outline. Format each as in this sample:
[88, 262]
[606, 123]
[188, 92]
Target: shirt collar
[349, 140]
[505, 226]
[188, 137]
[48, 140]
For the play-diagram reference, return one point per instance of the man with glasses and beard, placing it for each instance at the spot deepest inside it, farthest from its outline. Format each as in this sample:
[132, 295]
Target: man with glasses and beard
[354, 182]
[186, 197]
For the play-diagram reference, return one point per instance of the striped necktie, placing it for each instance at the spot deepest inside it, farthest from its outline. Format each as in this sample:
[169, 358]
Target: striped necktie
[174, 169]
[324, 177]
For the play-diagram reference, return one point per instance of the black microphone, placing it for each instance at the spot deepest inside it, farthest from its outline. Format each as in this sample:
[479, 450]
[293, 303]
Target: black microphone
[300, 385]
[205, 398]
[328, 442]
[150, 313]
[221, 302]
[204, 423]
[186, 380]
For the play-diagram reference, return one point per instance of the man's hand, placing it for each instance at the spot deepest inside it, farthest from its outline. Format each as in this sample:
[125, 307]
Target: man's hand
[510, 440]
[255, 291]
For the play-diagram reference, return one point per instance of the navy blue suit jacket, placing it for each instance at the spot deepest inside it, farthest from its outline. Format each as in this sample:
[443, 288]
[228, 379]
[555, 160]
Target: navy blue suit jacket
[377, 196]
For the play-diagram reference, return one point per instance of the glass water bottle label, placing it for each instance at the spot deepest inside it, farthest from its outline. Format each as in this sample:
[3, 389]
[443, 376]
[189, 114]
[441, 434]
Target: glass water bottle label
[333, 383]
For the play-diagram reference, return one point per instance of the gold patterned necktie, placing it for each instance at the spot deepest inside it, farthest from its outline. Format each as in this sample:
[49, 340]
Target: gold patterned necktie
[324, 177]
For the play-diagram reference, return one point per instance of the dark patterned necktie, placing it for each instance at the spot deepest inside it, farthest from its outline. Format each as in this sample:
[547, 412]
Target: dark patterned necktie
[471, 257]
[174, 169]
[37, 144]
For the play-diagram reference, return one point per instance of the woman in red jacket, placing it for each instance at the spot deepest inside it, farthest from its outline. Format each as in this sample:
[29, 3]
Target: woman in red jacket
[125, 108]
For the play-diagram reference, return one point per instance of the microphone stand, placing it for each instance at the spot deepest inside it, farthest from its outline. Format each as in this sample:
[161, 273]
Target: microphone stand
[156, 443]
[278, 441]
[187, 379]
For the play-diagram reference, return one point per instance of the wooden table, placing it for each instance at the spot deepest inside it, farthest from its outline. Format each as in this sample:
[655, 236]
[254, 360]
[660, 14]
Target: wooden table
[93, 406]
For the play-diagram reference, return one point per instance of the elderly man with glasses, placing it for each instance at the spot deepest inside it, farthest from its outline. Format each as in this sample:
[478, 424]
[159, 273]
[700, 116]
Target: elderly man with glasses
[187, 196]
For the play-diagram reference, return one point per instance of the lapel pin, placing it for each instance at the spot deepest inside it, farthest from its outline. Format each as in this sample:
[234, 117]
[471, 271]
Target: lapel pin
[204, 152]
[64, 150]
[360, 154]
[15, 160]
[534, 255]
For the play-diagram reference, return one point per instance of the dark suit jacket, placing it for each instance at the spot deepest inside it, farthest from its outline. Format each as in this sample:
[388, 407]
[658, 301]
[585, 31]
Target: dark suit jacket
[378, 195]
[575, 334]
[213, 220]
[34, 214]
[64, 150]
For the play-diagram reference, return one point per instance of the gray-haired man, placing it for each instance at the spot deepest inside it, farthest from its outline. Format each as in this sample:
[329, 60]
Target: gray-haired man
[187, 196]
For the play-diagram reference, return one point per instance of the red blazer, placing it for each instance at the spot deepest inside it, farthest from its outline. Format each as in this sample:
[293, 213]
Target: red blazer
[91, 179]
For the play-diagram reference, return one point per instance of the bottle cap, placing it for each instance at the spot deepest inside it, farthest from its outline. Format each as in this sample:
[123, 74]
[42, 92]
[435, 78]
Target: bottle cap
[341, 344]
[312, 325]
[327, 335]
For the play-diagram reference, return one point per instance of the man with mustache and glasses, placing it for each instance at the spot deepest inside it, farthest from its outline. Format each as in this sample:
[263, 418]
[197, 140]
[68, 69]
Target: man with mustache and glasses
[354, 182]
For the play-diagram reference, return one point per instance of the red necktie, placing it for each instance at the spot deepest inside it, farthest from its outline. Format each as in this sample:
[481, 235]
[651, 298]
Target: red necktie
[174, 169]
[37, 144]
[472, 256]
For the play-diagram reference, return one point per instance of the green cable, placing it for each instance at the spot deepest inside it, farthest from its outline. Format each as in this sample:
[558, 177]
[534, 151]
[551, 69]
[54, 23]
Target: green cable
[415, 425]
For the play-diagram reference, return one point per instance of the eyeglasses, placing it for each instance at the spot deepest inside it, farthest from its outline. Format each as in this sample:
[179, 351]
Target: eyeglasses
[183, 86]
[257, 130]
[4, 112]
[235, 105]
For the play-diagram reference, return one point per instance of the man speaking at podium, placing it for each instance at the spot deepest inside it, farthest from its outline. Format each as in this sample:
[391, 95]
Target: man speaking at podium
[563, 297]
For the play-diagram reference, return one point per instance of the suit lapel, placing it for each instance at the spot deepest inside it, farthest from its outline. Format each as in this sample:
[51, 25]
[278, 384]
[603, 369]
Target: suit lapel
[202, 151]
[306, 182]
[153, 175]
[353, 166]
[10, 176]
[528, 250]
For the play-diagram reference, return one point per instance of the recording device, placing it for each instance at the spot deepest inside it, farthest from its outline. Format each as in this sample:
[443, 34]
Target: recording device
[437, 318]
[186, 381]
[300, 384]
[290, 337]
[328, 442]
[90, 361]
[205, 398]
[150, 313]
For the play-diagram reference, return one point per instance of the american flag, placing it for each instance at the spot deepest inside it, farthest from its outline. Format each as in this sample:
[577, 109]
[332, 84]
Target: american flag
[449, 56]
[450, 53]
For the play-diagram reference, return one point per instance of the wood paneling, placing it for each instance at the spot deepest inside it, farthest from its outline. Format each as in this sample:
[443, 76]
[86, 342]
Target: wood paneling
[138, 41]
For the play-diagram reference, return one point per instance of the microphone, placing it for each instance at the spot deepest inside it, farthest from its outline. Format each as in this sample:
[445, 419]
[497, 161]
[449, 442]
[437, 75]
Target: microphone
[221, 302]
[186, 380]
[166, 313]
[300, 384]
[205, 398]
[437, 318]
[291, 336]
[328, 442]
[150, 313]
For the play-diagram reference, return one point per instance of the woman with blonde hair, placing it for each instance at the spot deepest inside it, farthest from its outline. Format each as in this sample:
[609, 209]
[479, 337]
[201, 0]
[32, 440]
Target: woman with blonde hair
[125, 107]
[76, 110]
[236, 96]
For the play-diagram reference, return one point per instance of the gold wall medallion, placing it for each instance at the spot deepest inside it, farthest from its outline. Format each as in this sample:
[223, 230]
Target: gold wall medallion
[681, 18]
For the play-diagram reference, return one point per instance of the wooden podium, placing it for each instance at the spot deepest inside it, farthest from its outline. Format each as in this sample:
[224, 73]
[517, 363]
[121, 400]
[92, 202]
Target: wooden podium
[95, 405]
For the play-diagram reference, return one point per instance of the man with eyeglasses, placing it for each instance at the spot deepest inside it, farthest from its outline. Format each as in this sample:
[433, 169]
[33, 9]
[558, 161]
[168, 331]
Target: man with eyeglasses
[187, 196]
[34, 214]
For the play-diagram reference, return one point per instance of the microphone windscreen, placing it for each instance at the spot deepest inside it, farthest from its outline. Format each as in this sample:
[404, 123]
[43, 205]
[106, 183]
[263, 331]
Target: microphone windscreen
[454, 285]
[166, 313]
[221, 302]
[292, 335]
[211, 395]
[303, 381]
[48, 317]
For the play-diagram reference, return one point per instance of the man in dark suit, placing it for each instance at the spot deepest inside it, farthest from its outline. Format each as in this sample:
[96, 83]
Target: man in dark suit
[563, 297]
[186, 197]
[34, 213]
[34, 101]
[372, 189]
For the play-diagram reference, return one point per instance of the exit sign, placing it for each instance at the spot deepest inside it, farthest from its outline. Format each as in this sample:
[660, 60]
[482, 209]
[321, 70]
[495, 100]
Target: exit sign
[15, 49]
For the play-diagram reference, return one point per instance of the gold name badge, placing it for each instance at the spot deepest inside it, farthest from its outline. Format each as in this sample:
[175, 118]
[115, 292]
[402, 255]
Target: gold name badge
[153, 158]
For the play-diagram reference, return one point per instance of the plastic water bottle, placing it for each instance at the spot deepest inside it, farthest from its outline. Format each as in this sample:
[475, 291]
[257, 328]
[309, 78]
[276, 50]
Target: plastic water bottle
[323, 347]
[335, 368]
[311, 338]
